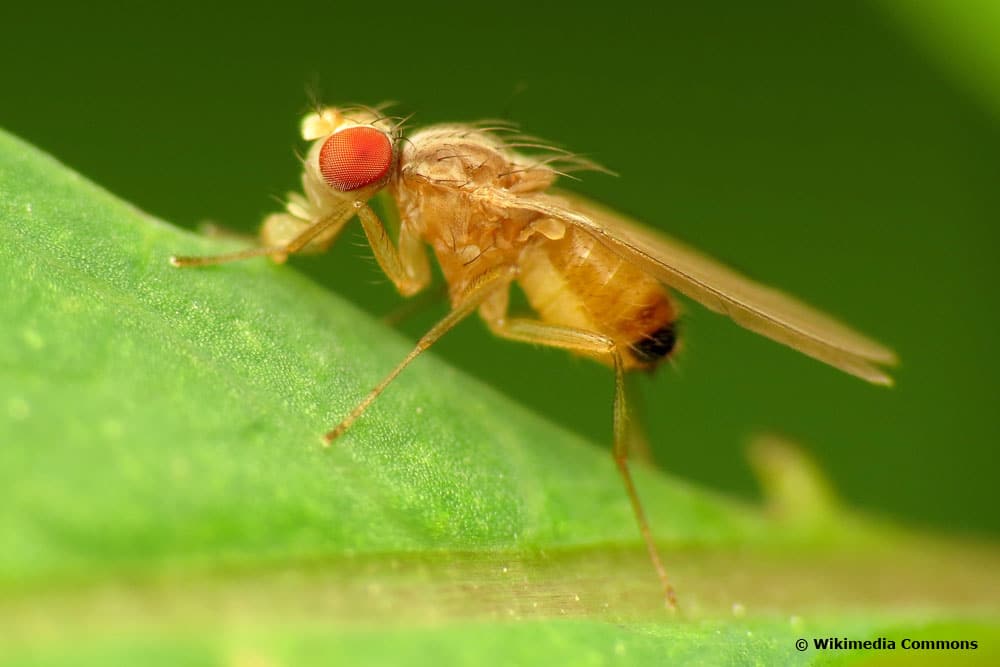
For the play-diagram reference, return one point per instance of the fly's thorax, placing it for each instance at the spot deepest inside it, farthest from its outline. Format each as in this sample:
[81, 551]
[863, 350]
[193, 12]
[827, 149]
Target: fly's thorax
[469, 237]
[575, 281]
[442, 169]
[464, 157]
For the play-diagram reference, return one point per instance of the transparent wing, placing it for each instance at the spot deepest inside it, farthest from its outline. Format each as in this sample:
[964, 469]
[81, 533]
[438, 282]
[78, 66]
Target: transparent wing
[750, 304]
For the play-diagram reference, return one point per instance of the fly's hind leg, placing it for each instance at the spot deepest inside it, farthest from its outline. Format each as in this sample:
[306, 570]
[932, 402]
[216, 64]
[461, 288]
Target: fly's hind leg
[639, 448]
[578, 340]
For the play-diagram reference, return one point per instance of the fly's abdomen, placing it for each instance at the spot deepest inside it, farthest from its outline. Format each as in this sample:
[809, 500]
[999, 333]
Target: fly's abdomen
[577, 282]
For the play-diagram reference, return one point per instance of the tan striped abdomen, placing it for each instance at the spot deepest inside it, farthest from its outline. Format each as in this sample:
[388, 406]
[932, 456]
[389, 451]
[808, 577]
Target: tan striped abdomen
[577, 282]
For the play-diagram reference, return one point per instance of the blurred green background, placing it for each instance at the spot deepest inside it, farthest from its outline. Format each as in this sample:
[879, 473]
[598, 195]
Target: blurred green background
[846, 152]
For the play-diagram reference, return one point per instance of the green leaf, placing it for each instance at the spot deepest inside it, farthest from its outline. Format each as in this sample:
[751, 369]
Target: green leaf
[164, 494]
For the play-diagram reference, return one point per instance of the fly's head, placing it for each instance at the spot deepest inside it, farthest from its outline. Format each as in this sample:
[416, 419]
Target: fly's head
[353, 154]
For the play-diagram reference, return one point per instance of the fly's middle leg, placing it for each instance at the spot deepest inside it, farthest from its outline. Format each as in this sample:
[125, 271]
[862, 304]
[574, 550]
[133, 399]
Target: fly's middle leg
[487, 285]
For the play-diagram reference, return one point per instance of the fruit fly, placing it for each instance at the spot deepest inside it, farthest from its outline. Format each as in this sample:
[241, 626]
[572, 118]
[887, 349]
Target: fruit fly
[482, 198]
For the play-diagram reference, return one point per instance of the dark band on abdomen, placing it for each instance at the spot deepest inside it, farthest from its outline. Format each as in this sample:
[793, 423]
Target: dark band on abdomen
[657, 345]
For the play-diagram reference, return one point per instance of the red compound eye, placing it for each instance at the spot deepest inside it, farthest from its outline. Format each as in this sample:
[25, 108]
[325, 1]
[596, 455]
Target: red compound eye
[355, 157]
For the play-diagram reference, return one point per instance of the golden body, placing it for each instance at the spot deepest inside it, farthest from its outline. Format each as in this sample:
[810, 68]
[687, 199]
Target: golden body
[570, 279]
[596, 281]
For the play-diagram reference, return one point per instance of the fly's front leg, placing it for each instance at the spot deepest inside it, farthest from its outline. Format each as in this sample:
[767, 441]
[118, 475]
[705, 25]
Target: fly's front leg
[283, 235]
[282, 229]
[578, 340]
[406, 266]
